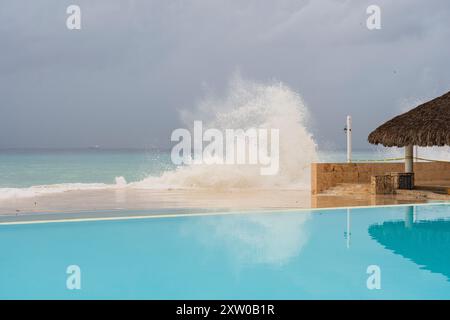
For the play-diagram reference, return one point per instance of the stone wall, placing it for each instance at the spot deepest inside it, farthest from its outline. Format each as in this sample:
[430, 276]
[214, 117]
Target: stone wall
[382, 184]
[327, 175]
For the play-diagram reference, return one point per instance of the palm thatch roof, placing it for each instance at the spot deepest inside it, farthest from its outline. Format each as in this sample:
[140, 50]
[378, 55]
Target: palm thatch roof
[425, 125]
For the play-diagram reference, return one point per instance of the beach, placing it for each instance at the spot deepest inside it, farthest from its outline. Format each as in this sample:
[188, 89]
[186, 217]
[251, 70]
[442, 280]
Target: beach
[162, 201]
[49, 181]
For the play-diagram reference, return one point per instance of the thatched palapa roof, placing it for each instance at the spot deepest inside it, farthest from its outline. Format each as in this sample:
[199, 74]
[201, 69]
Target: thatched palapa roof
[425, 125]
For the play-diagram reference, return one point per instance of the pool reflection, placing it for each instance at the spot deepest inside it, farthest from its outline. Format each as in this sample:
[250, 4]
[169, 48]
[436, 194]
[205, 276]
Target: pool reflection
[425, 242]
[272, 239]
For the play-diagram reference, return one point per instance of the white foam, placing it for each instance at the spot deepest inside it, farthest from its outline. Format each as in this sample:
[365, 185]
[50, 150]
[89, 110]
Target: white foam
[34, 191]
[120, 181]
[249, 105]
[246, 105]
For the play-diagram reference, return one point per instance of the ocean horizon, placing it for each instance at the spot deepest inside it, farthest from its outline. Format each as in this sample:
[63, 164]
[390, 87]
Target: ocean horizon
[56, 169]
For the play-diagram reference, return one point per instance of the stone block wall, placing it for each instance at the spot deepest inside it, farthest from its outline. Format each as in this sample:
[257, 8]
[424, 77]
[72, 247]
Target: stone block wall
[328, 175]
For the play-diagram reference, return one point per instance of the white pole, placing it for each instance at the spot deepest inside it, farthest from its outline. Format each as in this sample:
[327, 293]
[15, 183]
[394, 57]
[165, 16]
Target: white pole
[349, 139]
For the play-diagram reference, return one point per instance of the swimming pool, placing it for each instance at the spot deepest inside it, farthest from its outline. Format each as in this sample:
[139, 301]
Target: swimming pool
[397, 252]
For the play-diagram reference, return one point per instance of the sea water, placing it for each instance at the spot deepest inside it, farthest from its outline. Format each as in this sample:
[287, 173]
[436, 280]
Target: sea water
[245, 105]
[31, 171]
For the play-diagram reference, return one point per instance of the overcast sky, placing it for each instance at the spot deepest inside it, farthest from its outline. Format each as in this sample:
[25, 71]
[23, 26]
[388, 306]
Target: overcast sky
[121, 80]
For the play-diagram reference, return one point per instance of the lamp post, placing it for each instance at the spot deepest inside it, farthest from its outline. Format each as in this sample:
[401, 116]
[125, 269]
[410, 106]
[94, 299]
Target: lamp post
[348, 130]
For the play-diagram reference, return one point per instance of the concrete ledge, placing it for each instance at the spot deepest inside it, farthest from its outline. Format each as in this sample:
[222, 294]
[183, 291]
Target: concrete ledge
[328, 175]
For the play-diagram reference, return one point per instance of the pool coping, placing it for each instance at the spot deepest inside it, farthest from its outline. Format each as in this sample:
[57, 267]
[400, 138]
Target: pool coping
[64, 219]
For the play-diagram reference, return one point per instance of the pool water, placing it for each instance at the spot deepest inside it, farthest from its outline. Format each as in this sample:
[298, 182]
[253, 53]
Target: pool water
[316, 254]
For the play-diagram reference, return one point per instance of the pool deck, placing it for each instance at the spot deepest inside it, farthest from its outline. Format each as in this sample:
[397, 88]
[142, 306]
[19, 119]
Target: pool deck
[439, 187]
[349, 194]
[116, 204]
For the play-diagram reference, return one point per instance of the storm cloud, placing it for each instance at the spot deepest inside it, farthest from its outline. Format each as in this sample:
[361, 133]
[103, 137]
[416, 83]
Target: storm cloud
[122, 79]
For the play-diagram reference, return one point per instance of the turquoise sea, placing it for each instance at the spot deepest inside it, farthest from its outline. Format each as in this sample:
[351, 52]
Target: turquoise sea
[26, 168]
[25, 173]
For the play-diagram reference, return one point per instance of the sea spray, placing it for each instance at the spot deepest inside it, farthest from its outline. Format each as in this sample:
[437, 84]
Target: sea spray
[246, 105]
[234, 147]
[249, 105]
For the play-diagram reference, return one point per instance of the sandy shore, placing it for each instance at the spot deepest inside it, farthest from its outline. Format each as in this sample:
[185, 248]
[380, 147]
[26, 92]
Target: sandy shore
[140, 199]
[164, 200]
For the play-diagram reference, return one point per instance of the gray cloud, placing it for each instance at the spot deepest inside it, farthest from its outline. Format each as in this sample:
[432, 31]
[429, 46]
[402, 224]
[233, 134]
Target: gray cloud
[120, 81]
